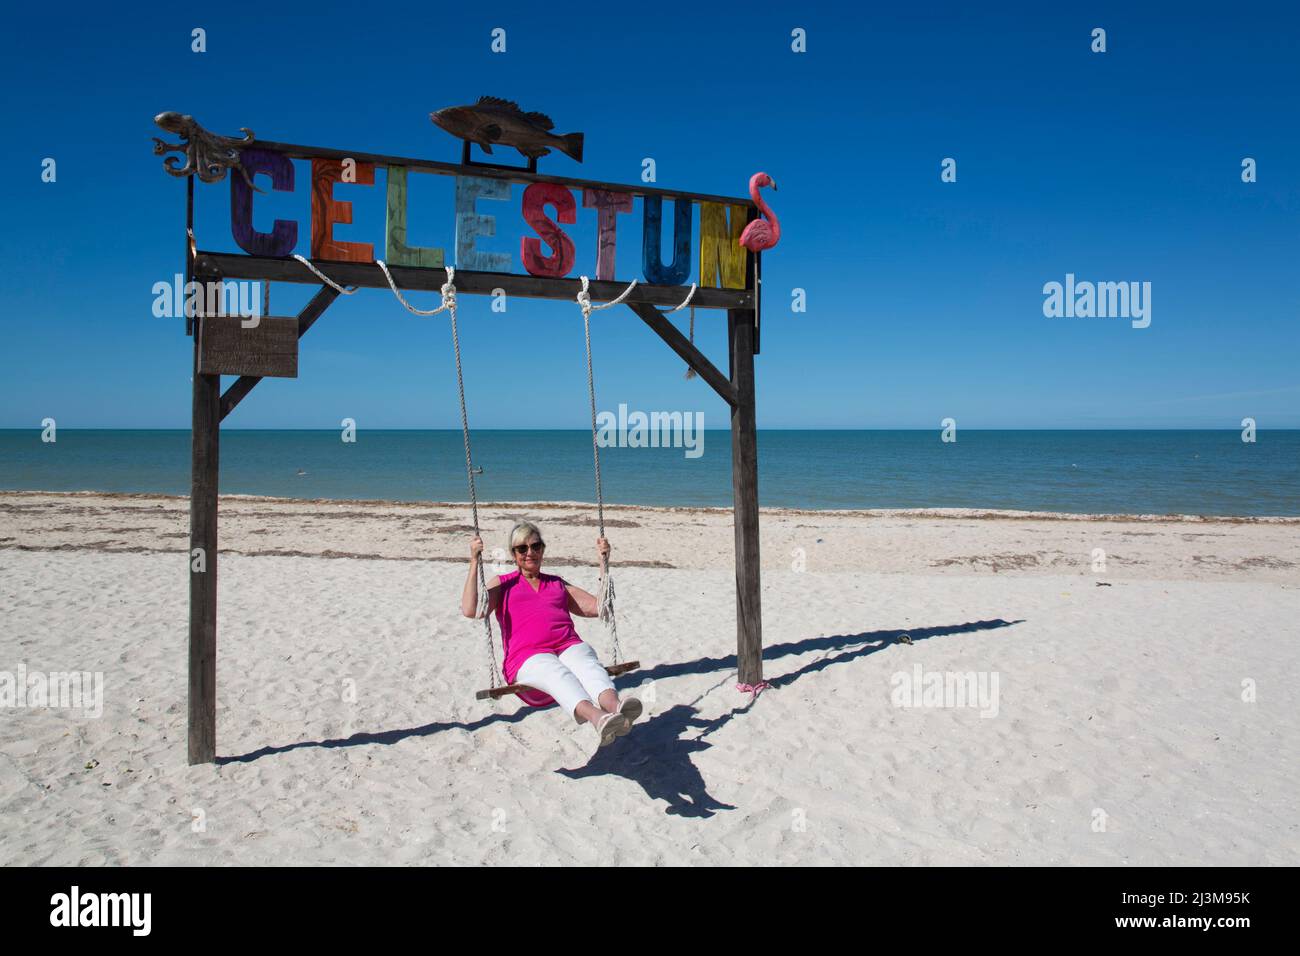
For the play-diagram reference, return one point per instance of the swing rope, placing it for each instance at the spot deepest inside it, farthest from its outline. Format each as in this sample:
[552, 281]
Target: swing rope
[449, 302]
[324, 278]
[606, 600]
[449, 306]
[684, 303]
[448, 296]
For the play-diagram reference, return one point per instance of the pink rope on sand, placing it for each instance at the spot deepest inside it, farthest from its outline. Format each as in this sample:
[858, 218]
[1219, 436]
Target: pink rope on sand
[754, 689]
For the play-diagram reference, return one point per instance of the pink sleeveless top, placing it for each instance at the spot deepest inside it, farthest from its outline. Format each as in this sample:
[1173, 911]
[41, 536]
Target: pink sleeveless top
[533, 622]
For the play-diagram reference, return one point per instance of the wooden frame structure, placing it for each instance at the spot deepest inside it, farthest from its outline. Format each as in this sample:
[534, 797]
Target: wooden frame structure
[211, 404]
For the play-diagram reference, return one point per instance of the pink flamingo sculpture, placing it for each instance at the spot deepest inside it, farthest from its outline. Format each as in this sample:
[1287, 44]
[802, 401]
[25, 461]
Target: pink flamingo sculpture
[761, 233]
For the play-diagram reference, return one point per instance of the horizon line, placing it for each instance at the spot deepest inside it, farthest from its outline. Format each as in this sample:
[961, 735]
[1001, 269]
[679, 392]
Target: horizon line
[565, 428]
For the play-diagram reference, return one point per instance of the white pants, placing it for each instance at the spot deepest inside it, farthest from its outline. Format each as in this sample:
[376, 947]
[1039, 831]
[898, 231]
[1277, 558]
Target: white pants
[572, 677]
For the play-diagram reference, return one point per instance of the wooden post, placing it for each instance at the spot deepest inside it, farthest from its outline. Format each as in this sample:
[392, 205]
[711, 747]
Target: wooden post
[189, 246]
[204, 447]
[744, 482]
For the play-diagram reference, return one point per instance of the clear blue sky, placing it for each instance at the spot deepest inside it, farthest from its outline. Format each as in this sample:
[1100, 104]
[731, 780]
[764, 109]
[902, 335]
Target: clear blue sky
[924, 298]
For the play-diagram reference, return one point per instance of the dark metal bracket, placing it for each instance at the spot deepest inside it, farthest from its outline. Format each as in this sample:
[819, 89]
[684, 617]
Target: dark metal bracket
[466, 160]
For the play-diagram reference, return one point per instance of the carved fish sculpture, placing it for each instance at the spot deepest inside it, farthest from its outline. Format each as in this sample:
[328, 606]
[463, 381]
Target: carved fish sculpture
[496, 122]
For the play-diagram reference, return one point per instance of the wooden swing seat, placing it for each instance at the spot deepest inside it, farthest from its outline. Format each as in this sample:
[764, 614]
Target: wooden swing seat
[613, 670]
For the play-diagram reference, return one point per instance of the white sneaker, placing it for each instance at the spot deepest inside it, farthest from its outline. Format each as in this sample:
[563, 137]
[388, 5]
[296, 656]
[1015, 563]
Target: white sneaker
[630, 708]
[611, 726]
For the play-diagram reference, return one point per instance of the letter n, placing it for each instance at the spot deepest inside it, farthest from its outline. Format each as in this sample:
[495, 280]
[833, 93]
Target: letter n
[721, 254]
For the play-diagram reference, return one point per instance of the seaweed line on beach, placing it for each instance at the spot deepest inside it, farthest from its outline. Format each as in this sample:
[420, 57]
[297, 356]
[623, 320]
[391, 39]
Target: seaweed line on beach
[974, 514]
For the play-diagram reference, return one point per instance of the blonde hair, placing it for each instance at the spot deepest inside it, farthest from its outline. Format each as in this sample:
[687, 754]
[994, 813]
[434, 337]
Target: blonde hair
[521, 532]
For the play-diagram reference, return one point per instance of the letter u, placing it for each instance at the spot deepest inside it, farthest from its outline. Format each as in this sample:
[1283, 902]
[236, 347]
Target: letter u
[652, 265]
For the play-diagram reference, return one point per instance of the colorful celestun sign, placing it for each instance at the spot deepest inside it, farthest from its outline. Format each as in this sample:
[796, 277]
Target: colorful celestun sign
[721, 257]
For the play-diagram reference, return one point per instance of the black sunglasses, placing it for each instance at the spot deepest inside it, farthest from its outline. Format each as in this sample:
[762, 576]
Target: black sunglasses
[539, 547]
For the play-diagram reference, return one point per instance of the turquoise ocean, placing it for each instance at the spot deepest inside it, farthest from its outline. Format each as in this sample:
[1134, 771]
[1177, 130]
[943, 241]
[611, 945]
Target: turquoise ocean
[1128, 472]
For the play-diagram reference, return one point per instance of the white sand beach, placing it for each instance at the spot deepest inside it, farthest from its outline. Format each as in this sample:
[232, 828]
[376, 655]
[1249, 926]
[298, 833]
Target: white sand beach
[1144, 710]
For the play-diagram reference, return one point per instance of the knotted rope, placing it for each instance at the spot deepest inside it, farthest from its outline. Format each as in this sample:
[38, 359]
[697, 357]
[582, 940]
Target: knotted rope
[448, 298]
[448, 288]
[606, 600]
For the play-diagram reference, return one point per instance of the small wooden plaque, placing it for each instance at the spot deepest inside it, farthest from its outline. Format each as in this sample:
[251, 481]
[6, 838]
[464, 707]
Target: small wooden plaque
[268, 349]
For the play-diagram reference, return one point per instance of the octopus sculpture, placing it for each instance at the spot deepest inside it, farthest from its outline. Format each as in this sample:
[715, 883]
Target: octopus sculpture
[207, 155]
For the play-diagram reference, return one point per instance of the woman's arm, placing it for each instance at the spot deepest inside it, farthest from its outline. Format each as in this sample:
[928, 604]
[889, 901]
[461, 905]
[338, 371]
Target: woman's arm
[580, 602]
[469, 596]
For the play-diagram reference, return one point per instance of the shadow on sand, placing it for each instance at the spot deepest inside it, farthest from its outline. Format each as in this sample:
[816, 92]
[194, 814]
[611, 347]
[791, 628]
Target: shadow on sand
[657, 755]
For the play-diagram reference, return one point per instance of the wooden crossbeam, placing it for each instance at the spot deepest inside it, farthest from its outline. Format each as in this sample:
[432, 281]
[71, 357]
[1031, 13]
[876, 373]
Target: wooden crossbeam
[312, 311]
[614, 670]
[689, 353]
[367, 275]
[494, 171]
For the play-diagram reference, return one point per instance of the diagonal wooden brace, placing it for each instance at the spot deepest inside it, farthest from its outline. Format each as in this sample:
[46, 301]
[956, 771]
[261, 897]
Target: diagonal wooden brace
[689, 353]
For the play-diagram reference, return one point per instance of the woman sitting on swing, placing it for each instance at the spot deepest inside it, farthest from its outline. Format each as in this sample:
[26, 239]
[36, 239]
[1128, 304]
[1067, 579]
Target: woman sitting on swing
[542, 648]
